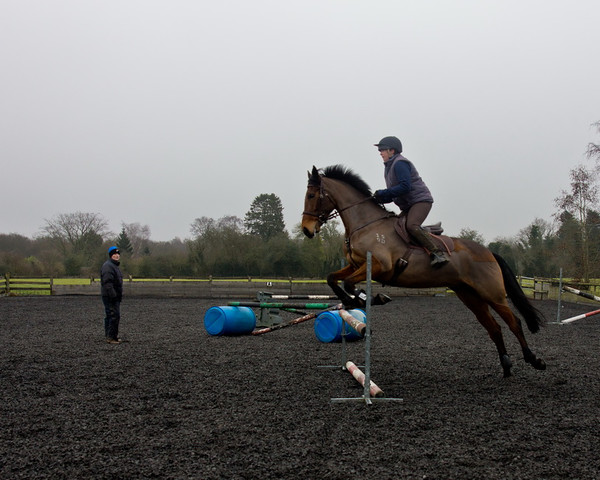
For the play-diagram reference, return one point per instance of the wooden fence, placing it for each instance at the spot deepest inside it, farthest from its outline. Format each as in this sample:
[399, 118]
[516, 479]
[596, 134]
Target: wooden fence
[248, 288]
[28, 286]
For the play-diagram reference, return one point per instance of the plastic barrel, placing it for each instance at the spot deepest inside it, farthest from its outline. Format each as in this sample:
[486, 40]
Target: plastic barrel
[229, 320]
[328, 326]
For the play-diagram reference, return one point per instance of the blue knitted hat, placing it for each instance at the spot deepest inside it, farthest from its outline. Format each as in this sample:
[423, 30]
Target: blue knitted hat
[112, 251]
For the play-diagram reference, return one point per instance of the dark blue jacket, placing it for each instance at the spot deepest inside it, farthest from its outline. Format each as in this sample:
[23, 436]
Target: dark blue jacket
[111, 280]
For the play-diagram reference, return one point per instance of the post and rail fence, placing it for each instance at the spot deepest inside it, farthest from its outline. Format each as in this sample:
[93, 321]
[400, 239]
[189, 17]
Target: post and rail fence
[28, 286]
[247, 287]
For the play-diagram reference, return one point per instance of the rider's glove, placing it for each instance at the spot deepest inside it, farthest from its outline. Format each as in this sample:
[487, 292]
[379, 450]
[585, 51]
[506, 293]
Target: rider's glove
[382, 196]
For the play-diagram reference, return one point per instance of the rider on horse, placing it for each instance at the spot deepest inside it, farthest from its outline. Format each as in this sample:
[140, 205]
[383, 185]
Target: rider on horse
[407, 190]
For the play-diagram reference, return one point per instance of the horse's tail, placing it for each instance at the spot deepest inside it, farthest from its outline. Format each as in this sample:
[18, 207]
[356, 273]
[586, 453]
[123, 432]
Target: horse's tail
[533, 317]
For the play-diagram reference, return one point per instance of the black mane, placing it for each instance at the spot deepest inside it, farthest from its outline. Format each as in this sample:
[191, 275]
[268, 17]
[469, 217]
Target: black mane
[339, 172]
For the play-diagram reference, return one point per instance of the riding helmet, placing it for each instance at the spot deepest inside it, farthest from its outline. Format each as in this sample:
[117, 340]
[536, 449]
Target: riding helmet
[390, 142]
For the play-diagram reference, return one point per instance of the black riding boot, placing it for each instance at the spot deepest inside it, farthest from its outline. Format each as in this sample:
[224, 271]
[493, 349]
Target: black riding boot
[438, 256]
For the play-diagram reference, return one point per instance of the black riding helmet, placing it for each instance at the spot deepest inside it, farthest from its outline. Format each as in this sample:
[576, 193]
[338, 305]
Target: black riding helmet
[390, 142]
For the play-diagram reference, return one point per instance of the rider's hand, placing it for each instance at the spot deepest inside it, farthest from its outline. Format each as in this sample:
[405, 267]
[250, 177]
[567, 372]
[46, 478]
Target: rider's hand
[382, 196]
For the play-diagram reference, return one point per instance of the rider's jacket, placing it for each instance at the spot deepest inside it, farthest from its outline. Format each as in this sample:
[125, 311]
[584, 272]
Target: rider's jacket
[410, 188]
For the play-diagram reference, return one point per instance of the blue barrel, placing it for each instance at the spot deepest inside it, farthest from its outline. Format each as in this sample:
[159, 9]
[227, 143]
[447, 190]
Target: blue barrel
[328, 326]
[229, 320]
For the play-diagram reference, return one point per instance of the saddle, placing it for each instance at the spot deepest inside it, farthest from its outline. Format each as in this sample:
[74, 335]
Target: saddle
[444, 242]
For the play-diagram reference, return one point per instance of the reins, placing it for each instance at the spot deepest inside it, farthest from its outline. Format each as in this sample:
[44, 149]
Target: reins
[324, 218]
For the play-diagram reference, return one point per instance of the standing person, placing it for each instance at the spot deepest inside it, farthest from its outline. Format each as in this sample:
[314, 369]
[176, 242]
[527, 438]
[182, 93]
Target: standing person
[406, 188]
[111, 282]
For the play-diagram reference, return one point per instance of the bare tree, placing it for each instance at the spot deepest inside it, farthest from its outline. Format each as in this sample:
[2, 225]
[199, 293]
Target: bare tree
[582, 198]
[201, 226]
[139, 236]
[76, 232]
[593, 149]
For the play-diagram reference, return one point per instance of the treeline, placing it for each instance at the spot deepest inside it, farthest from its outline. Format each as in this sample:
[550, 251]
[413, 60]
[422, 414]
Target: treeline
[223, 251]
[75, 244]
[225, 248]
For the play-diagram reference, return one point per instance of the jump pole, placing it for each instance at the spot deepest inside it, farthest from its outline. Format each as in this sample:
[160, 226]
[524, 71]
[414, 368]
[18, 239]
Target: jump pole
[589, 296]
[295, 321]
[579, 317]
[368, 385]
[356, 324]
[296, 297]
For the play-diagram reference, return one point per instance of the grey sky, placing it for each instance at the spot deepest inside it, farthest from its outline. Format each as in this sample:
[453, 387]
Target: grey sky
[160, 112]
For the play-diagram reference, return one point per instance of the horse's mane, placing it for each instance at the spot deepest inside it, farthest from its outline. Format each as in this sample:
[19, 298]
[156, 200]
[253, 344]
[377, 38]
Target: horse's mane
[339, 172]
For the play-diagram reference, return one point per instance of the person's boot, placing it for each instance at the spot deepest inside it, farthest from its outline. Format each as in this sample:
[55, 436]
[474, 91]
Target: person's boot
[438, 256]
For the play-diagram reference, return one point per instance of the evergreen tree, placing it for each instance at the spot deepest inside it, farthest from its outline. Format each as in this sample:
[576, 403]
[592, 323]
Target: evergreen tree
[265, 217]
[124, 243]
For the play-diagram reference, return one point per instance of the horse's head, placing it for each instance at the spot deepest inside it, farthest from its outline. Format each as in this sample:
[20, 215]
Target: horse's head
[317, 205]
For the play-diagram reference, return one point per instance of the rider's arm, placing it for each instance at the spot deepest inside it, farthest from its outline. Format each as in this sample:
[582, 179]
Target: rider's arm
[402, 171]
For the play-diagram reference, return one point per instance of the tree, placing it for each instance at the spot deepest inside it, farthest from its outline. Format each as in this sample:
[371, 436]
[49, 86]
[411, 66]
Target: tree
[220, 247]
[139, 236]
[578, 203]
[535, 245]
[470, 234]
[265, 217]
[76, 232]
[593, 149]
[124, 243]
[322, 254]
[506, 248]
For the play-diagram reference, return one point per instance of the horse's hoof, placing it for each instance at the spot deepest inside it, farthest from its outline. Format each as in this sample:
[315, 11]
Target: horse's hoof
[538, 364]
[380, 299]
[535, 362]
[351, 303]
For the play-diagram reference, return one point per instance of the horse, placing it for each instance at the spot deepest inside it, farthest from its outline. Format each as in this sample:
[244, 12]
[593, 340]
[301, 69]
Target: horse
[481, 279]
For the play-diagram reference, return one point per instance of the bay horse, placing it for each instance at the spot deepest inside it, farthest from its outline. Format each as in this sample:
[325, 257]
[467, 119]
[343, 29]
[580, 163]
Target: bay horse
[480, 278]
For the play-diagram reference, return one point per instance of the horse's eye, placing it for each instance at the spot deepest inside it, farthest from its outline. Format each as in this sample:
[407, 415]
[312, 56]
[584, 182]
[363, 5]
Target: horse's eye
[310, 195]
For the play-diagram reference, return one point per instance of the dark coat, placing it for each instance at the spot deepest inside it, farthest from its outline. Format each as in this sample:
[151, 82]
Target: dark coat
[111, 280]
[416, 191]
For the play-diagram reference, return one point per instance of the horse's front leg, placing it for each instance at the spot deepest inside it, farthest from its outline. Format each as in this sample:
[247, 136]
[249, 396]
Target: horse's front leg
[332, 280]
[359, 297]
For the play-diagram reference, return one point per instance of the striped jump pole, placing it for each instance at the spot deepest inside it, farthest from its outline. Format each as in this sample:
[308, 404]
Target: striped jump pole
[579, 317]
[296, 321]
[581, 294]
[297, 297]
[356, 372]
[356, 324]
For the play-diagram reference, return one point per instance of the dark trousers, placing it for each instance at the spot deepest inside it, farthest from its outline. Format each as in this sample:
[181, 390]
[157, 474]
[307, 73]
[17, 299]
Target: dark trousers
[112, 308]
[416, 216]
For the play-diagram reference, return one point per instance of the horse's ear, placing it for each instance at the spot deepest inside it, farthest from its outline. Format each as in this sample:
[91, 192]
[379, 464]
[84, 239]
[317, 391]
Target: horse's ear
[314, 179]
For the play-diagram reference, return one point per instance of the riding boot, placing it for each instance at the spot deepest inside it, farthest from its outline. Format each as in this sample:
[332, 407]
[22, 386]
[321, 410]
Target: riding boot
[438, 256]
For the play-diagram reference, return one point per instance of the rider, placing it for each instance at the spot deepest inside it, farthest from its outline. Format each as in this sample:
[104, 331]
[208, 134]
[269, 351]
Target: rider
[407, 190]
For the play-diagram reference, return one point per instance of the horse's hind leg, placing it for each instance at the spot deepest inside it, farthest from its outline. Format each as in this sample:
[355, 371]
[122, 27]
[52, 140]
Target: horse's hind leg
[481, 310]
[514, 324]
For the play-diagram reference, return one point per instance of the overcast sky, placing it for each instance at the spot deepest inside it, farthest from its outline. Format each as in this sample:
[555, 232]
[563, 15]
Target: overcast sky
[160, 112]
